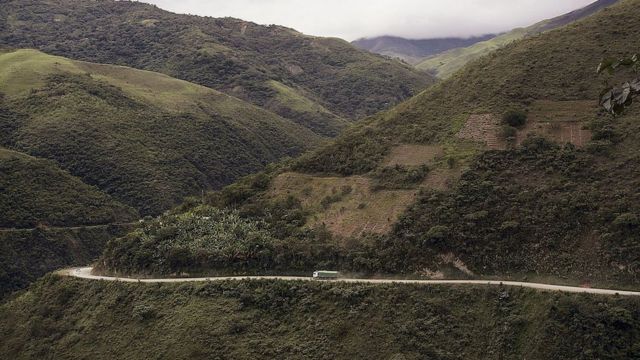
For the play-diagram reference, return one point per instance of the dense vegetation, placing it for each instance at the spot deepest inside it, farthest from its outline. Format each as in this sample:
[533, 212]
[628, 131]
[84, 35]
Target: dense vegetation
[26, 255]
[66, 318]
[540, 209]
[143, 138]
[204, 238]
[36, 191]
[234, 56]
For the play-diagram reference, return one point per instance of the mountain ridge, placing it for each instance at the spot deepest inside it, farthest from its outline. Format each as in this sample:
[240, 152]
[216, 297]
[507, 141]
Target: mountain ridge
[230, 55]
[415, 50]
[447, 63]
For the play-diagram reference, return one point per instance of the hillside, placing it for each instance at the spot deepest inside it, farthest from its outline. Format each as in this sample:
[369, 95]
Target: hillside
[320, 83]
[67, 318]
[439, 187]
[446, 64]
[146, 139]
[72, 219]
[414, 51]
[28, 254]
[36, 191]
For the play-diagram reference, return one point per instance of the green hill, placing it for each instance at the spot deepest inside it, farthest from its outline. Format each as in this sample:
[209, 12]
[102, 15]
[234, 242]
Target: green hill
[447, 63]
[438, 186]
[50, 219]
[73, 319]
[146, 139]
[36, 191]
[270, 66]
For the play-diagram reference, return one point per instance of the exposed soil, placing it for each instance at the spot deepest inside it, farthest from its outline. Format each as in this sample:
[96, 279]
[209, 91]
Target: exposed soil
[483, 128]
[414, 155]
[359, 210]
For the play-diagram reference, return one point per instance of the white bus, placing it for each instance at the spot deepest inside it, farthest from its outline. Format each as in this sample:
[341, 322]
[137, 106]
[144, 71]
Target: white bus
[322, 274]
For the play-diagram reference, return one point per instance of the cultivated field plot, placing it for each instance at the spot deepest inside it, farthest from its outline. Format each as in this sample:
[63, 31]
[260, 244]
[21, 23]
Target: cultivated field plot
[483, 128]
[414, 155]
[347, 206]
[560, 121]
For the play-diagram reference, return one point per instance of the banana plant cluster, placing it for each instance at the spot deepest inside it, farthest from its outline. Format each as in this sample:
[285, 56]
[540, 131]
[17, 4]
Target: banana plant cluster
[616, 99]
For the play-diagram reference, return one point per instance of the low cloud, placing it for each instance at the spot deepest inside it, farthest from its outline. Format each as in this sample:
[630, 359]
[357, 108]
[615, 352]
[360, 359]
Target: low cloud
[352, 19]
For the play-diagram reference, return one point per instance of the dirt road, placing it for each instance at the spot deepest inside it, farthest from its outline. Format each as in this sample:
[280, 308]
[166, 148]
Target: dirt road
[85, 273]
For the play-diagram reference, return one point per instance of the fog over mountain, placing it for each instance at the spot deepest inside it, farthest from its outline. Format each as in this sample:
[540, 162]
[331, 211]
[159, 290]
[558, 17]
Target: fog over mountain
[412, 19]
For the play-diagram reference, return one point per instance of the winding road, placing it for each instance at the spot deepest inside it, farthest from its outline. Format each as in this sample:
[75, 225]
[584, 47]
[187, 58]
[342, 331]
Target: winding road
[85, 273]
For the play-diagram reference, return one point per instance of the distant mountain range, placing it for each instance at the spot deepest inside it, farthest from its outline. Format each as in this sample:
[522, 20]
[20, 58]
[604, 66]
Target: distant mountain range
[413, 51]
[443, 57]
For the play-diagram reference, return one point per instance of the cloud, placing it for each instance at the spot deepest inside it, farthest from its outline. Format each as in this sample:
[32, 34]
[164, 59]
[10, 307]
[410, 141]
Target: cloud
[352, 19]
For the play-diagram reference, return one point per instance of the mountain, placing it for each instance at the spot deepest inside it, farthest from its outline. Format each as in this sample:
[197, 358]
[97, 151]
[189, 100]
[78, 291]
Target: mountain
[144, 138]
[86, 149]
[445, 64]
[509, 169]
[50, 219]
[415, 50]
[320, 83]
[442, 185]
[37, 192]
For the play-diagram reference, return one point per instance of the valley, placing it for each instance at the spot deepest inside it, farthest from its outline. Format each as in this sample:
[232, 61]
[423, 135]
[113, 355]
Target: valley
[169, 183]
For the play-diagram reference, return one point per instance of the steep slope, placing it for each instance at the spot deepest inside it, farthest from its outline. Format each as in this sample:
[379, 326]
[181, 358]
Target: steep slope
[28, 254]
[146, 139]
[67, 318]
[50, 219]
[446, 64]
[36, 191]
[439, 186]
[543, 207]
[414, 51]
[234, 56]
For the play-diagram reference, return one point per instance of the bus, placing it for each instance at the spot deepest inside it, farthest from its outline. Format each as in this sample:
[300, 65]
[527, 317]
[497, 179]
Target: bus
[325, 275]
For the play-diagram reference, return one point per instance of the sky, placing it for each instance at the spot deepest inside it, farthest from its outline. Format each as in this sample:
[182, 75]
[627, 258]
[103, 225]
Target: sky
[353, 19]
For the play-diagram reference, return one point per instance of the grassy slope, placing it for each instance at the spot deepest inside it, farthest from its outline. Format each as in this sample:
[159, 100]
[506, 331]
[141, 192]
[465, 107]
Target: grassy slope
[446, 64]
[294, 105]
[67, 318]
[165, 138]
[36, 191]
[555, 66]
[231, 55]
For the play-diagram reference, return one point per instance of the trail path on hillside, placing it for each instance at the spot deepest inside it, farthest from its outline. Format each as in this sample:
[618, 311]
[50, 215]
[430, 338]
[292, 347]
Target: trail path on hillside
[73, 227]
[85, 273]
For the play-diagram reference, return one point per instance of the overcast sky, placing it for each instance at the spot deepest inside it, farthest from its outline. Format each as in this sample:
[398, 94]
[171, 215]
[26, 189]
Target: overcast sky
[352, 19]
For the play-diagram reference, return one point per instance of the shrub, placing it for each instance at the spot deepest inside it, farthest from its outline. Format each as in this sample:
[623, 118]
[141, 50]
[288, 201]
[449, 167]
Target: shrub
[399, 177]
[437, 233]
[515, 118]
[143, 312]
[627, 220]
[509, 132]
